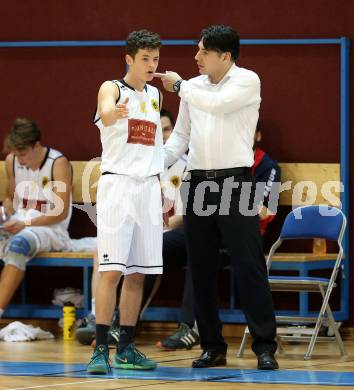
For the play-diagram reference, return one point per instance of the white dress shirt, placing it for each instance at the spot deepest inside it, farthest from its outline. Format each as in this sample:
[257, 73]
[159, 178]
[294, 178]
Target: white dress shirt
[216, 122]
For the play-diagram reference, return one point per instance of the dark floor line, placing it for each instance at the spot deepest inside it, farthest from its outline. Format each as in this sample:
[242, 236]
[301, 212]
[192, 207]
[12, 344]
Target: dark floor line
[175, 360]
[219, 378]
[61, 373]
[143, 385]
[236, 375]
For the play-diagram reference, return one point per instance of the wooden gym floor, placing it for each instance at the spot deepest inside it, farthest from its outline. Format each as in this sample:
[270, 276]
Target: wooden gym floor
[61, 365]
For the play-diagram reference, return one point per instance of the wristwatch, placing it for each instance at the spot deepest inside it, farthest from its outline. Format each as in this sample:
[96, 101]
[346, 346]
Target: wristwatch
[177, 85]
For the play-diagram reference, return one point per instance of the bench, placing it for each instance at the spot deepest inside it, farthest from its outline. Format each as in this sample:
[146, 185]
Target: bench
[86, 174]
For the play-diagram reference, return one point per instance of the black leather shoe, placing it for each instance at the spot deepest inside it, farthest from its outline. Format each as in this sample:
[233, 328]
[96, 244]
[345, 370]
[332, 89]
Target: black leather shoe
[266, 361]
[210, 359]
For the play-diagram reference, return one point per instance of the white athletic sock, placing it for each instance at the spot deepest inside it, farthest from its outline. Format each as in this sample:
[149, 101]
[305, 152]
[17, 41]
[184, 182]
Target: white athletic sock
[93, 307]
[1, 312]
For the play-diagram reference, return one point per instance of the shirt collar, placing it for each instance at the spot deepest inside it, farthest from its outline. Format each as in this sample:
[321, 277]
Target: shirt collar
[227, 75]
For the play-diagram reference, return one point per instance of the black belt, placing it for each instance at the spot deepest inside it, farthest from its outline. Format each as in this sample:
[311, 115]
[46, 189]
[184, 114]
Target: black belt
[214, 173]
[112, 173]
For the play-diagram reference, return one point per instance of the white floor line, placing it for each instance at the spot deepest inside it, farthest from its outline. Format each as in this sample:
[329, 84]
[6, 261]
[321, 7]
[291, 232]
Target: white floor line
[60, 384]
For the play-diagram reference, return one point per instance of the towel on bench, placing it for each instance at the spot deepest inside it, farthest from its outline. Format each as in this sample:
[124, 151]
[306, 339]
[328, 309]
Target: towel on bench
[85, 244]
[17, 331]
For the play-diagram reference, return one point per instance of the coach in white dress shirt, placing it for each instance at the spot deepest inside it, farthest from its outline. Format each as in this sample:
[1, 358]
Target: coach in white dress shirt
[217, 119]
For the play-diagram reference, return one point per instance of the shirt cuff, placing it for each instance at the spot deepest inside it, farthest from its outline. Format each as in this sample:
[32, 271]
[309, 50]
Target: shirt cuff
[183, 89]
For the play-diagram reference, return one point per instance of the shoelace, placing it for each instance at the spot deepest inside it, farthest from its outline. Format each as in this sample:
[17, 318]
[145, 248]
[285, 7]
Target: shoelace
[97, 354]
[138, 355]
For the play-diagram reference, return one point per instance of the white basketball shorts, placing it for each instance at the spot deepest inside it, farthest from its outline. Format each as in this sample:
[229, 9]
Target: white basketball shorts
[129, 224]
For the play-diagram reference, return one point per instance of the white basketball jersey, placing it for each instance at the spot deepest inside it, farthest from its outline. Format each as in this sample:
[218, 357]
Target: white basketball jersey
[33, 188]
[133, 146]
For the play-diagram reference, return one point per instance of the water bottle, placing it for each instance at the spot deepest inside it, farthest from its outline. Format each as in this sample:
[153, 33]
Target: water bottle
[319, 246]
[69, 319]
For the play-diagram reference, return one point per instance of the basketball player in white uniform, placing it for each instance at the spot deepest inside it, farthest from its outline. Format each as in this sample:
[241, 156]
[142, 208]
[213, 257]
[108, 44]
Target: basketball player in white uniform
[129, 215]
[170, 181]
[37, 203]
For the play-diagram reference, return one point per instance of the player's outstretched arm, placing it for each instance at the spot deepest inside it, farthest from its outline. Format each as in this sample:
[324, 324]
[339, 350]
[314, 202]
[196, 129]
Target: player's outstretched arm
[109, 108]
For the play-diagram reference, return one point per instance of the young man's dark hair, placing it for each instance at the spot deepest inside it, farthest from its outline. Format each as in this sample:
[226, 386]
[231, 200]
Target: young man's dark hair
[222, 39]
[142, 39]
[166, 113]
[23, 134]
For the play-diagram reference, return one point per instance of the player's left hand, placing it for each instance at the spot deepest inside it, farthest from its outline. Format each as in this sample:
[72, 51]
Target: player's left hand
[13, 226]
[168, 209]
[165, 218]
[168, 79]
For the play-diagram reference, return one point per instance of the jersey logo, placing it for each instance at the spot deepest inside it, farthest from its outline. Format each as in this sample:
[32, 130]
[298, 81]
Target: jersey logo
[45, 181]
[143, 107]
[155, 105]
[175, 181]
[141, 132]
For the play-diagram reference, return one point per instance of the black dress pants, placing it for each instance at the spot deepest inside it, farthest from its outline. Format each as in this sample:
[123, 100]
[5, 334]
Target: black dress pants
[174, 255]
[212, 217]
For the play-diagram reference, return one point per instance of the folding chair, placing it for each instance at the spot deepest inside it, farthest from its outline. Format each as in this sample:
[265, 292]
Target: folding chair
[306, 222]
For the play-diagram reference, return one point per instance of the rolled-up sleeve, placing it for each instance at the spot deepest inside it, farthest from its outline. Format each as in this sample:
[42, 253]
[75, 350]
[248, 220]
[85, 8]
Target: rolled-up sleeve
[234, 95]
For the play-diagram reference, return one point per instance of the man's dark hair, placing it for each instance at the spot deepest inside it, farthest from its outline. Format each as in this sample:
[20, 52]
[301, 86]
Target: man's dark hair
[23, 134]
[164, 112]
[222, 39]
[142, 39]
